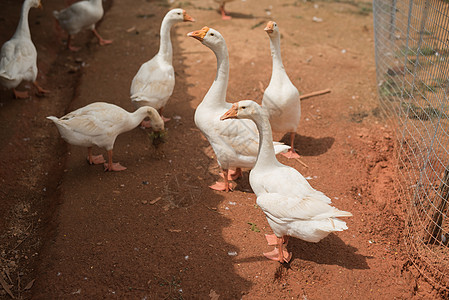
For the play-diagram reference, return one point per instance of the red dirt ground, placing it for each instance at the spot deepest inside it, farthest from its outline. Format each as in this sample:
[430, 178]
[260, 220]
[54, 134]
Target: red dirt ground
[70, 230]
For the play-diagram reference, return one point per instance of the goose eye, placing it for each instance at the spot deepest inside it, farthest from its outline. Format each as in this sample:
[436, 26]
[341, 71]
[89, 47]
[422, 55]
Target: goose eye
[179, 13]
[212, 34]
[243, 107]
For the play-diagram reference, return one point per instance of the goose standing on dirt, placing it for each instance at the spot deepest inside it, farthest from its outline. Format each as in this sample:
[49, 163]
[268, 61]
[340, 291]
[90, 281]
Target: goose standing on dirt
[79, 16]
[224, 14]
[235, 142]
[99, 124]
[18, 57]
[281, 98]
[154, 82]
[291, 205]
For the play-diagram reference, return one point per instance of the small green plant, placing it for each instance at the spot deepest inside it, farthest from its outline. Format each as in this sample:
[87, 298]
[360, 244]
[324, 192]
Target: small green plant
[157, 137]
[365, 10]
[253, 227]
[421, 113]
[427, 51]
[390, 88]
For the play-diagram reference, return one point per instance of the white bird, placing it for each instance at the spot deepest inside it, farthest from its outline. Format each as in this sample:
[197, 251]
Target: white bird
[235, 142]
[79, 16]
[18, 56]
[291, 205]
[224, 13]
[281, 97]
[99, 124]
[154, 82]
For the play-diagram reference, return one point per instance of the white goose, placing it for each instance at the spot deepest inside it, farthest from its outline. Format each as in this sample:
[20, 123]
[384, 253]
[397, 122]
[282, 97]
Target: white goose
[79, 16]
[18, 55]
[155, 80]
[281, 98]
[235, 142]
[99, 124]
[291, 205]
[224, 13]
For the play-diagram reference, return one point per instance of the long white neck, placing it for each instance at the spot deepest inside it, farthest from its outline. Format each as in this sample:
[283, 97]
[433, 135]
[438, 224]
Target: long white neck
[217, 92]
[135, 118]
[278, 71]
[266, 156]
[165, 47]
[23, 29]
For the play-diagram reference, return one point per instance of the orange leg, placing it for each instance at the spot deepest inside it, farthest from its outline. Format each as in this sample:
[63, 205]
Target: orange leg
[69, 44]
[233, 175]
[224, 14]
[146, 124]
[291, 153]
[271, 239]
[110, 166]
[280, 253]
[20, 95]
[222, 186]
[40, 90]
[94, 159]
[163, 118]
[101, 41]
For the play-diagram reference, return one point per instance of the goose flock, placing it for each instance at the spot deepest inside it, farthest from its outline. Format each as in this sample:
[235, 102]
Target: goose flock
[239, 133]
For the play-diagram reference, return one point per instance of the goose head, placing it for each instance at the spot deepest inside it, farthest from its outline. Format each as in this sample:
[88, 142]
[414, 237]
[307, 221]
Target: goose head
[157, 124]
[245, 109]
[35, 3]
[179, 15]
[209, 37]
[272, 28]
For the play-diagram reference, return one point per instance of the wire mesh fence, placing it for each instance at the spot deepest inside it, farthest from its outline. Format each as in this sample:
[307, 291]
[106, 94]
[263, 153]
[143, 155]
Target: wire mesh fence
[412, 60]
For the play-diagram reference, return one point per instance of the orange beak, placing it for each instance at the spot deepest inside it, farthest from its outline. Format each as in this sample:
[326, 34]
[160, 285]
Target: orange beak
[269, 27]
[187, 18]
[199, 34]
[40, 5]
[231, 113]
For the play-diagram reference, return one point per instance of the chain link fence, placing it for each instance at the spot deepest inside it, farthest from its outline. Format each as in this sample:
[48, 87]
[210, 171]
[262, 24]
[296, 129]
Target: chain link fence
[412, 65]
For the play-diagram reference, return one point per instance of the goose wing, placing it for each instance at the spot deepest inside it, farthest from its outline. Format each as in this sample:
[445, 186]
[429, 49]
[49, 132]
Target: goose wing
[153, 82]
[16, 58]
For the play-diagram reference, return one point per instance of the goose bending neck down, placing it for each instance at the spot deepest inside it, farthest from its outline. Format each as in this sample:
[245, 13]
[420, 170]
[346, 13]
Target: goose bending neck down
[18, 57]
[154, 82]
[235, 142]
[291, 205]
[99, 124]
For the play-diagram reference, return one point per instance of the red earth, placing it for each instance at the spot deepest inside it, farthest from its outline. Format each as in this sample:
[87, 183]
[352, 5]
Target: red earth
[156, 231]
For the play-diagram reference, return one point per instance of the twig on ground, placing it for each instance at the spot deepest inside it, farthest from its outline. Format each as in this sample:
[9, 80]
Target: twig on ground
[6, 287]
[18, 244]
[313, 94]
[302, 163]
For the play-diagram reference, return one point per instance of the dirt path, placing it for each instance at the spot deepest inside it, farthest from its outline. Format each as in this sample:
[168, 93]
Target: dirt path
[96, 235]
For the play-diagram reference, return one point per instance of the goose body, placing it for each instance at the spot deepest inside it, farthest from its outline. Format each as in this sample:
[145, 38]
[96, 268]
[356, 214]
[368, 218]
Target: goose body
[281, 97]
[99, 124]
[80, 16]
[18, 56]
[154, 82]
[291, 205]
[235, 142]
